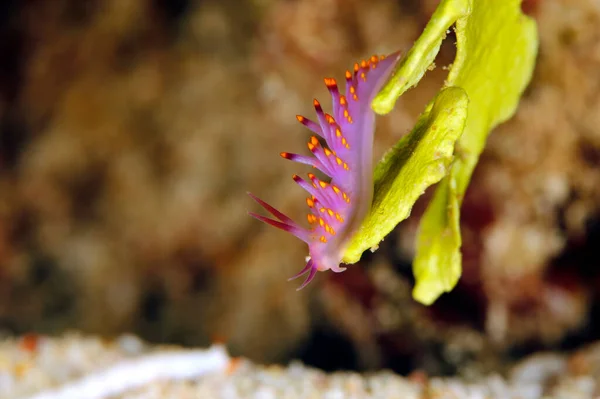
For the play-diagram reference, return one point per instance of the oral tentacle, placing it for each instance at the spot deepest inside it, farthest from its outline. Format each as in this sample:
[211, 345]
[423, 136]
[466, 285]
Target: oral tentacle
[311, 275]
[309, 265]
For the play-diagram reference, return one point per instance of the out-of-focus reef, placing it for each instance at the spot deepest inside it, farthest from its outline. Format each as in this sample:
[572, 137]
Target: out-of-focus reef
[131, 131]
[36, 367]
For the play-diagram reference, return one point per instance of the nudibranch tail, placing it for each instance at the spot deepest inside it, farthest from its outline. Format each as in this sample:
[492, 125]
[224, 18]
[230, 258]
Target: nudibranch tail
[342, 150]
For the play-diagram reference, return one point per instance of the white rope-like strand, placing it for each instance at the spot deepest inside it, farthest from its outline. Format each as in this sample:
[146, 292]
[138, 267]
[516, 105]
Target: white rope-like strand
[131, 374]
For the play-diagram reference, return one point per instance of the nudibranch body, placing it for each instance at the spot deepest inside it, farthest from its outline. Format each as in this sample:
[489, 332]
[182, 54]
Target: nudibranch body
[337, 207]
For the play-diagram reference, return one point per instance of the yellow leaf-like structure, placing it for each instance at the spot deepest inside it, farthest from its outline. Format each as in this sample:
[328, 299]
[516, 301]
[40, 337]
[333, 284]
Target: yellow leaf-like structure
[419, 160]
[496, 50]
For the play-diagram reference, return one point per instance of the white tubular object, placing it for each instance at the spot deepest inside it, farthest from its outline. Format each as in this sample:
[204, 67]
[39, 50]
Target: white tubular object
[131, 374]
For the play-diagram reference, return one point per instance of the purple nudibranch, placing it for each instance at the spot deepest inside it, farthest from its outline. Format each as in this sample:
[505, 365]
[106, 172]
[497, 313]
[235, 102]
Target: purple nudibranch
[338, 207]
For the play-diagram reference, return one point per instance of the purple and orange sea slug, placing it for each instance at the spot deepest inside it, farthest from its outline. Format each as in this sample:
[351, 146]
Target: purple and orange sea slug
[338, 207]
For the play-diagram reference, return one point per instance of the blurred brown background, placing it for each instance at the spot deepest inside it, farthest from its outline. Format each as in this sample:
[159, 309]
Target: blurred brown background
[130, 131]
